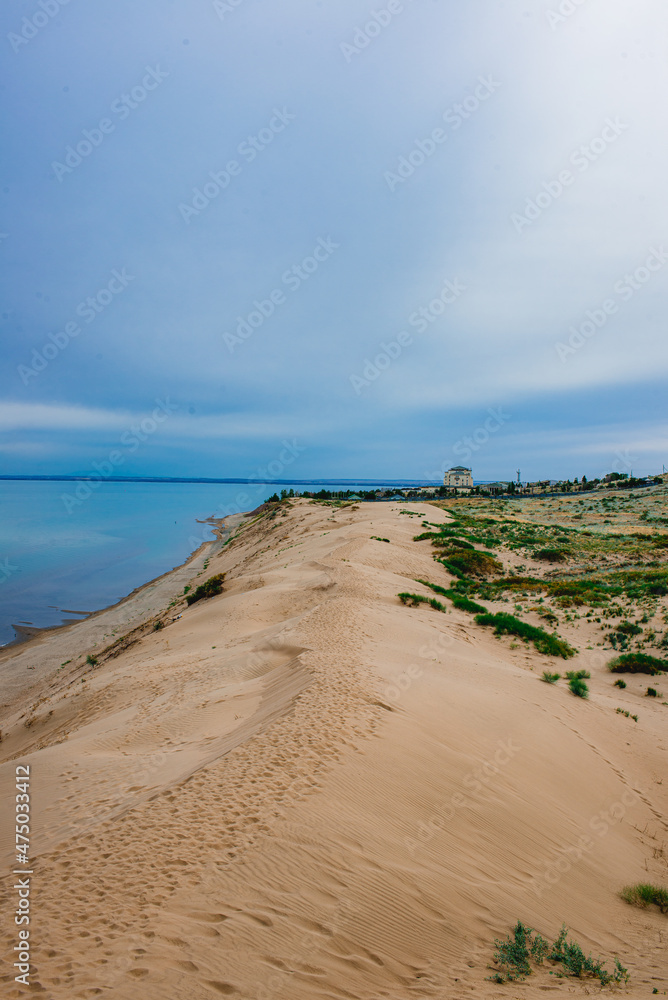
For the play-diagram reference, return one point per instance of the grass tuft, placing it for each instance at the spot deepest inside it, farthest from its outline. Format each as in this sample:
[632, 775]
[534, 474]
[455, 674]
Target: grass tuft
[210, 588]
[550, 645]
[414, 600]
[578, 687]
[550, 678]
[644, 894]
[459, 601]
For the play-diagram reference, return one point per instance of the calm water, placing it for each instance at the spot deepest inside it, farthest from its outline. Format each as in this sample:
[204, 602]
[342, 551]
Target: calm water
[54, 561]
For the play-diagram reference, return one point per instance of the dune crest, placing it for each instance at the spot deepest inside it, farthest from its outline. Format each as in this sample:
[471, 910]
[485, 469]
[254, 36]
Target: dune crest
[301, 788]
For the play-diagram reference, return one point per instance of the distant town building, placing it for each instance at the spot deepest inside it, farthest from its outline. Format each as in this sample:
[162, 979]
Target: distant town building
[458, 478]
[494, 488]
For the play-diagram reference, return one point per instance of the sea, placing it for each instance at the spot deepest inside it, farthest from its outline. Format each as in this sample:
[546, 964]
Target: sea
[67, 550]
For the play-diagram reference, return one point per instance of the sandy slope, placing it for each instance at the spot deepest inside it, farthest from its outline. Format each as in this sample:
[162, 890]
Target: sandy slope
[303, 789]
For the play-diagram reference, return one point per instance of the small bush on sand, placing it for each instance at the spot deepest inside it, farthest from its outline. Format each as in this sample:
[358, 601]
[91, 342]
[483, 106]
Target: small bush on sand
[651, 693]
[644, 894]
[550, 678]
[211, 587]
[459, 601]
[515, 955]
[620, 683]
[578, 687]
[637, 663]
[551, 555]
[414, 601]
[472, 563]
[91, 660]
[578, 675]
[550, 645]
[576, 963]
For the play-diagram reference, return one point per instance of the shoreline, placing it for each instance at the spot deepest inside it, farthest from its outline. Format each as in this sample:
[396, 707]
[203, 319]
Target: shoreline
[129, 612]
[32, 632]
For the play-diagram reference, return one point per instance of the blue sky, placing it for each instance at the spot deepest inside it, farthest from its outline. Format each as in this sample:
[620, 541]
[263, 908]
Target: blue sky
[397, 236]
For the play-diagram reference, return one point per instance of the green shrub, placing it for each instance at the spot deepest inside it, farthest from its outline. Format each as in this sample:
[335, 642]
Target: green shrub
[651, 693]
[91, 660]
[620, 683]
[473, 563]
[644, 894]
[578, 675]
[377, 539]
[637, 663]
[414, 600]
[212, 587]
[576, 963]
[551, 555]
[550, 645]
[550, 678]
[578, 687]
[628, 628]
[515, 954]
[460, 602]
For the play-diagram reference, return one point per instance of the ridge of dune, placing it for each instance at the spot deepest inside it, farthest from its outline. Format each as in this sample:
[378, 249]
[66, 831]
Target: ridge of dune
[303, 789]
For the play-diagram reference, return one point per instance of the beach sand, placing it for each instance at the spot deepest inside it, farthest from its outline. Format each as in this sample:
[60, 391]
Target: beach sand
[303, 789]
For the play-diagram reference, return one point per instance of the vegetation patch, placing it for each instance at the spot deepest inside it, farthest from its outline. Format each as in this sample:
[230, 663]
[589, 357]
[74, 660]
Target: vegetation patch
[578, 687]
[550, 678]
[552, 555]
[622, 711]
[459, 600]
[210, 588]
[414, 600]
[644, 894]
[638, 663]
[516, 956]
[473, 563]
[545, 642]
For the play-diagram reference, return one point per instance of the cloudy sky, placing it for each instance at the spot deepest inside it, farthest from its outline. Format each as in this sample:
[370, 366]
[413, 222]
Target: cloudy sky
[397, 236]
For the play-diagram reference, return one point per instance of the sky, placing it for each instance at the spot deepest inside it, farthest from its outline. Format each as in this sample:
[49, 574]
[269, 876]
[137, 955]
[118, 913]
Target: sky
[333, 239]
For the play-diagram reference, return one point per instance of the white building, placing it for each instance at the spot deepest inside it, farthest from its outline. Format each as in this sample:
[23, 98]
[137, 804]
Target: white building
[458, 478]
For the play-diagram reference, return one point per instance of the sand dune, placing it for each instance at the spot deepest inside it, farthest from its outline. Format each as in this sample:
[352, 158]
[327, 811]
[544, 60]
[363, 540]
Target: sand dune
[303, 789]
